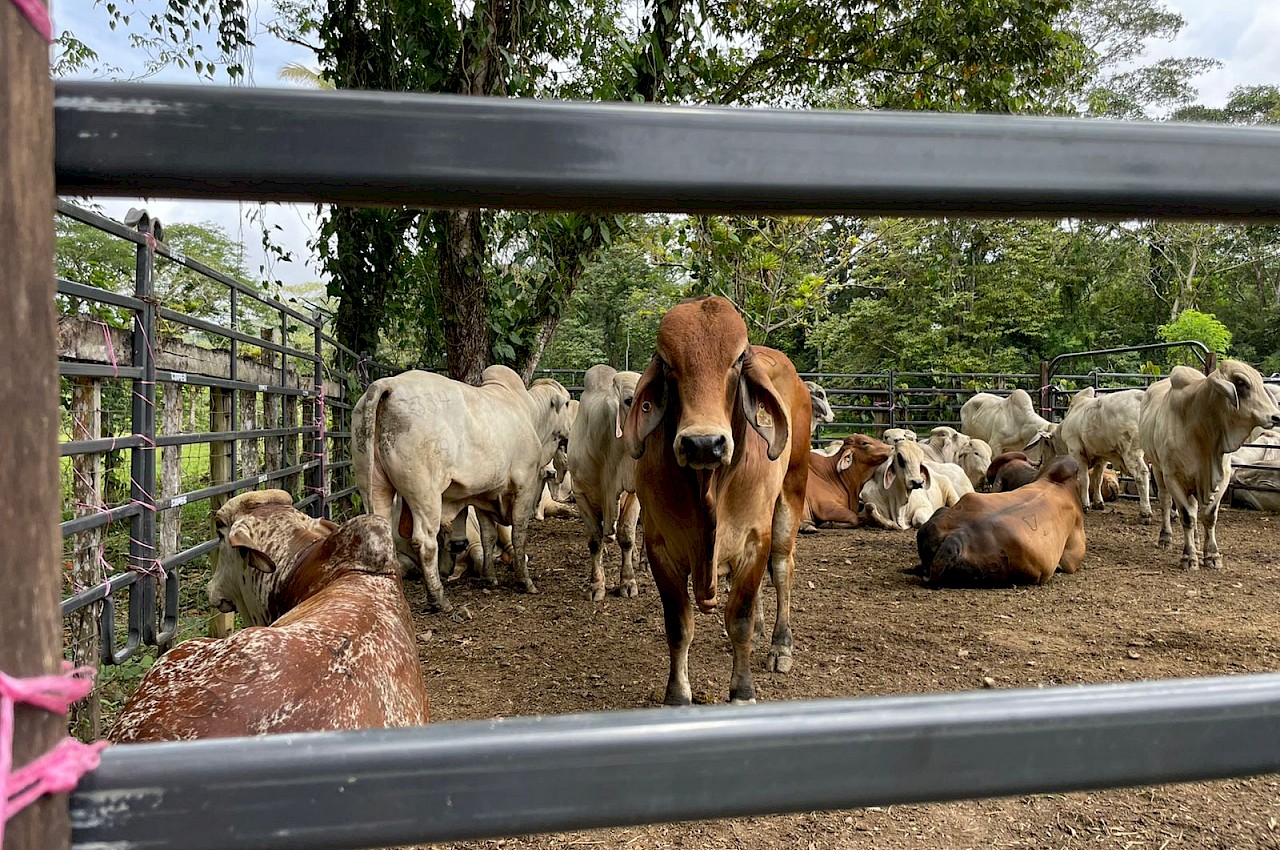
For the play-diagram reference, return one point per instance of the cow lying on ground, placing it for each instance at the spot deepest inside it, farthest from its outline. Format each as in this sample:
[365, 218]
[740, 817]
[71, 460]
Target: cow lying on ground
[1007, 424]
[442, 445]
[604, 475]
[904, 491]
[1009, 471]
[1189, 425]
[943, 444]
[831, 494]
[1255, 471]
[718, 428]
[339, 653]
[998, 539]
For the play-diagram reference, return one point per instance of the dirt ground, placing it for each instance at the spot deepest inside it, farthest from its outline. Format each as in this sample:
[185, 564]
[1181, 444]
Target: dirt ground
[864, 628]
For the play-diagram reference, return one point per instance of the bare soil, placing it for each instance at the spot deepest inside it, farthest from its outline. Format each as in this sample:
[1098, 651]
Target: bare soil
[863, 627]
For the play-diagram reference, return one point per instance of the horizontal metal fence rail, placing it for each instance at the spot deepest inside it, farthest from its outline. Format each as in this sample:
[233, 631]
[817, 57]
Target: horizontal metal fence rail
[530, 774]
[487, 779]
[441, 150]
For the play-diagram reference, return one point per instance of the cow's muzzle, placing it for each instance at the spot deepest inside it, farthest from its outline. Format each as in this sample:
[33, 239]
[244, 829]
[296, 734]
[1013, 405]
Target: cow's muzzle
[917, 483]
[703, 451]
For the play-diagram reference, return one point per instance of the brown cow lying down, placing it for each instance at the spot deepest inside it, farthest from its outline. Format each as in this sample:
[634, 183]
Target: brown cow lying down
[831, 494]
[340, 654]
[998, 539]
[1009, 471]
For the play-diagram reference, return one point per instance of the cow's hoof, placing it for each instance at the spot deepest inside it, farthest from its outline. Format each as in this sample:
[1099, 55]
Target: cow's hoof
[443, 607]
[528, 586]
[1213, 562]
[808, 528]
[1145, 519]
[629, 589]
[597, 592]
[736, 701]
[1164, 541]
[779, 662]
[1188, 563]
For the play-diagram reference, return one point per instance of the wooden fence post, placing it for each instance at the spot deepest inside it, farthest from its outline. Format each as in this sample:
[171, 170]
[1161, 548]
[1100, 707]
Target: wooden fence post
[220, 625]
[86, 563]
[292, 483]
[30, 543]
[169, 524]
[248, 412]
[272, 452]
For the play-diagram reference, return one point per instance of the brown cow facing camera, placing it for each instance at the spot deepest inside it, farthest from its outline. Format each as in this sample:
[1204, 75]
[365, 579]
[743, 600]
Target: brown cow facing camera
[998, 539]
[340, 652]
[719, 428]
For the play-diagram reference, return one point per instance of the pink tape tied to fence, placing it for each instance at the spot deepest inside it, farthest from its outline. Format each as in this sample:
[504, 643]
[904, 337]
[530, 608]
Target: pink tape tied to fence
[57, 771]
[37, 14]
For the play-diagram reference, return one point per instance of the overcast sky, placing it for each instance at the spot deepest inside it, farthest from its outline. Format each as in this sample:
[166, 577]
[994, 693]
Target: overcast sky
[1242, 34]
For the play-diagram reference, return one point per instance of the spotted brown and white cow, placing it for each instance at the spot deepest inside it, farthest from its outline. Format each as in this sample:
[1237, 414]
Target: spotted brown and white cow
[719, 429]
[339, 653]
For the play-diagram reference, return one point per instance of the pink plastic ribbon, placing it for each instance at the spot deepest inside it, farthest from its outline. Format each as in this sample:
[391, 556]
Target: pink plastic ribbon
[37, 14]
[57, 771]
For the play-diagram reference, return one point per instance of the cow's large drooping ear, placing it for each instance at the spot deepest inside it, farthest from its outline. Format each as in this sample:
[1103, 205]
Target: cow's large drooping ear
[1227, 388]
[648, 406]
[888, 471]
[845, 461]
[762, 406]
[245, 535]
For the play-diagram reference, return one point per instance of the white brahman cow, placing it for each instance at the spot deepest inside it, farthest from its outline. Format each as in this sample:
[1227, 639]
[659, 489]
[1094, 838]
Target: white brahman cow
[442, 445]
[1189, 425]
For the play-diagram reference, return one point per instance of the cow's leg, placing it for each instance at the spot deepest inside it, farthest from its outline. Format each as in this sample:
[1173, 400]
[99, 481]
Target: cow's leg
[593, 521]
[1136, 466]
[1209, 524]
[677, 616]
[1187, 508]
[522, 510]
[488, 547]
[426, 527]
[454, 545]
[1095, 486]
[1073, 552]
[782, 564]
[627, 586]
[739, 618]
[1166, 509]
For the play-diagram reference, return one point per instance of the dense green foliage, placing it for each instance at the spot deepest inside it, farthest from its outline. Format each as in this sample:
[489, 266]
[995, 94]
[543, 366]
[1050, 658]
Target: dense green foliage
[459, 289]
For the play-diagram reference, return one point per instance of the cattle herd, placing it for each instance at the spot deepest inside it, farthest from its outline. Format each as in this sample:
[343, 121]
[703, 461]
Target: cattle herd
[708, 451]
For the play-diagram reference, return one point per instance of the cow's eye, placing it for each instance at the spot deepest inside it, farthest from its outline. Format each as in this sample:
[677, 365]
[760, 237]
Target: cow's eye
[627, 401]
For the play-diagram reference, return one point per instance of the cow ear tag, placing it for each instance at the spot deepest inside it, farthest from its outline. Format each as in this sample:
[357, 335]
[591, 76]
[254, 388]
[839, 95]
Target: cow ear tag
[763, 419]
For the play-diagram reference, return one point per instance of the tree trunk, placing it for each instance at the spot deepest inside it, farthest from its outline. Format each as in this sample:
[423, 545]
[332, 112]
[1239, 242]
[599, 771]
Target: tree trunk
[546, 330]
[464, 294]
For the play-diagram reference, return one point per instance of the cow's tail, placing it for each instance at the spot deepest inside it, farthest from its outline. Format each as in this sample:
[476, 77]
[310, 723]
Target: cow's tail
[371, 477]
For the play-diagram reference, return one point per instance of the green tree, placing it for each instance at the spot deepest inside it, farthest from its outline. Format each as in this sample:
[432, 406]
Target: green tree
[1192, 325]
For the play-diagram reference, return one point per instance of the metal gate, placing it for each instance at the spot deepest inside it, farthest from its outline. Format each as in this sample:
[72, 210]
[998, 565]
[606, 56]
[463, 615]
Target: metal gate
[529, 774]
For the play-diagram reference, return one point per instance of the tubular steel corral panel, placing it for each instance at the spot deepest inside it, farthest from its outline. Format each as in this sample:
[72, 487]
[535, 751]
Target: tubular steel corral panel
[466, 780]
[442, 150]
[477, 779]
